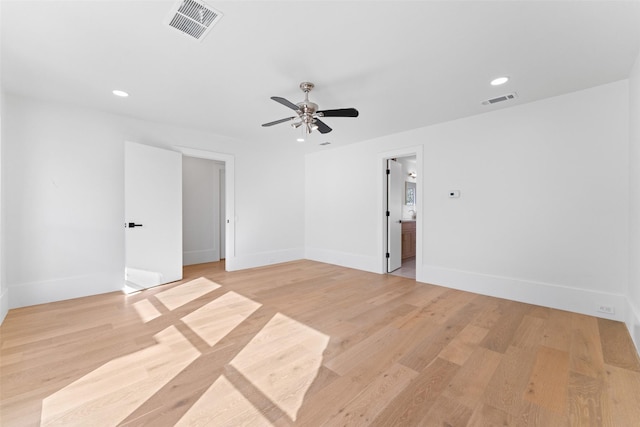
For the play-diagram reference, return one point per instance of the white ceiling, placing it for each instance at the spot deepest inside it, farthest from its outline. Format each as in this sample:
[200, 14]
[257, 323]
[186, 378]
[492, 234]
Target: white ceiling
[403, 65]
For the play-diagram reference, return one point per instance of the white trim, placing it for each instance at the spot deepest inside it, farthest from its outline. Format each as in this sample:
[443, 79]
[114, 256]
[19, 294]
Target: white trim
[344, 259]
[265, 258]
[230, 231]
[633, 323]
[531, 292]
[4, 304]
[200, 256]
[32, 293]
[417, 151]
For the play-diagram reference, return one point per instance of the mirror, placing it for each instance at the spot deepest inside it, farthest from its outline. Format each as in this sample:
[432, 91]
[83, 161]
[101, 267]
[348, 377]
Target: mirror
[410, 193]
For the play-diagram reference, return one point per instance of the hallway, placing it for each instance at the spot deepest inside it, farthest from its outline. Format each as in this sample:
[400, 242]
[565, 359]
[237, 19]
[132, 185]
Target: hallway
[407, 269]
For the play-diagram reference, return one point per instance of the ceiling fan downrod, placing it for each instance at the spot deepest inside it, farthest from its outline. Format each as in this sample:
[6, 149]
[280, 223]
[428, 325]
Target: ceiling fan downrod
[307, 109]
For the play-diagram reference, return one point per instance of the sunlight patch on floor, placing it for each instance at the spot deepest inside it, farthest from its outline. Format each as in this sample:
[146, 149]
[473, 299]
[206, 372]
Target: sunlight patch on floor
[107, 395]
[146, 311]
[278, 365]
[223, 405]
[282, 361]
[186, 292]
[215, 320]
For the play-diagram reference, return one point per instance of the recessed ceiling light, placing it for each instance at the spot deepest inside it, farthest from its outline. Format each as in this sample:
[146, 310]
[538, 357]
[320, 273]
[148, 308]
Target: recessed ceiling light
[300, 139]
[499, 81]
[120, 93]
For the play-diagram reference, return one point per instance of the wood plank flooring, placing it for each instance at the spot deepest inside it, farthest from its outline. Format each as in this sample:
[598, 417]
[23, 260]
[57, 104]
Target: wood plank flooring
[311, 344]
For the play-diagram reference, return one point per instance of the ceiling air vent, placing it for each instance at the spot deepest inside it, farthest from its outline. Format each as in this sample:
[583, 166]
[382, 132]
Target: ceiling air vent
[506, 97]
[193, 18]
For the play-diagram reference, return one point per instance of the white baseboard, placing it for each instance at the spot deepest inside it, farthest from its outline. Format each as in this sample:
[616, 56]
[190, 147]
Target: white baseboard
[32, 293]
[548, 295]
[344, 259]
[633, 323]
[4, 304]
[261, 259]
[137, 279]
[199, 257]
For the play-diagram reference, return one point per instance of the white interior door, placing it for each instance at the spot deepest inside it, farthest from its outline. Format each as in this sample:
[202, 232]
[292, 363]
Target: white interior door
[153, 216]
[395, 190]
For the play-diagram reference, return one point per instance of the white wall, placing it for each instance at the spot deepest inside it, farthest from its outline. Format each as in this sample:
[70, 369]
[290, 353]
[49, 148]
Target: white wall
[200, 210]
[342, 205]
[633, 318]
[543, 212]
[64, 198]
[64, 180]
[4, 294]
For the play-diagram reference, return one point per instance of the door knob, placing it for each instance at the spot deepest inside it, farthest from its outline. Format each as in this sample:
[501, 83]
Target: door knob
[132, 225]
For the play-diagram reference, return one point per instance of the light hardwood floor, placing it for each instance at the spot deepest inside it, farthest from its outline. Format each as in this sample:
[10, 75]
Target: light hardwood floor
[306, 343]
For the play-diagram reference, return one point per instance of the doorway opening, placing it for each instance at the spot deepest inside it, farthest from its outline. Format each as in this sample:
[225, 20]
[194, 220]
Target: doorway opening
[225, 166]
[203, 210]
[401, 212]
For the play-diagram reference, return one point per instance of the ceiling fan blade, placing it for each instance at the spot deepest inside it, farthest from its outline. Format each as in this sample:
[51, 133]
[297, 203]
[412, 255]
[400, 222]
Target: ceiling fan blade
[278, 121]
[340, 112]
[322, 126]
[285, 102]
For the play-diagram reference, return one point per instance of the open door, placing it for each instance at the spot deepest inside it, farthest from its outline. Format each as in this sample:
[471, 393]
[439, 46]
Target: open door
[395, 183]
[153, 216]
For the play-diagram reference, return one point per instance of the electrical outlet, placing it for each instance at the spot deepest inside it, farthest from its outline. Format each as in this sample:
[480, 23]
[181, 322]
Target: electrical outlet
[606, 309]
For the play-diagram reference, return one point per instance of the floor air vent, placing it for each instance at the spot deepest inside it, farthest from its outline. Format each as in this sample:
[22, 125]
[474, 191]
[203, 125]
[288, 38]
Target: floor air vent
[193, 18]
[506, 97]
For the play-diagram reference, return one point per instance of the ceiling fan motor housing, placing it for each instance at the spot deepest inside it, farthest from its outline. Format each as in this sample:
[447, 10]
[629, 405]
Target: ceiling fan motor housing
[307, 108]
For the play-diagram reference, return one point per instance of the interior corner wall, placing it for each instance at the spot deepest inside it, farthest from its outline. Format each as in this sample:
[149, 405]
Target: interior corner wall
[633, 317]
[543, 211]
[64, 197]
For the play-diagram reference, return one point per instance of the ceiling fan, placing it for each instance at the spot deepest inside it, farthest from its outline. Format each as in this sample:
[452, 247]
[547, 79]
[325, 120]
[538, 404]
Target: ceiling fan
[308, 113]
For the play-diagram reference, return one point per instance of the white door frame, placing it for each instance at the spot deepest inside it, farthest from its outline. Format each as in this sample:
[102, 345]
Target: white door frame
[230, 236]
[382, 203]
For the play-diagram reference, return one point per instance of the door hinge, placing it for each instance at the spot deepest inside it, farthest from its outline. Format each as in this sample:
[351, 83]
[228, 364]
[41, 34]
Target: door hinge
[387, 255]
[388, 171]
[388, 213]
